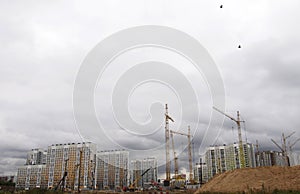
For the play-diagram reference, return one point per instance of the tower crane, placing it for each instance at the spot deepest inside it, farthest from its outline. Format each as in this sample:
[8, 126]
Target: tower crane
[167, 137]
[238, 122]
[175, 157]
[188, 135]
[283, 148]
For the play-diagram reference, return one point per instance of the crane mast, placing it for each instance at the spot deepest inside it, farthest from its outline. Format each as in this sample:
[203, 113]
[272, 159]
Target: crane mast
[167, 137]
[190, 155]
[188, 135]
[175, 157]
[238, 122]
[241, 148]
[283, 148]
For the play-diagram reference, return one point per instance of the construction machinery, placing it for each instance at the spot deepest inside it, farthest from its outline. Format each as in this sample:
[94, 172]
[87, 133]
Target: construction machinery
[78, 168]
[188, 135]
[132, 186]
[62, 182]
[241, 147]
[283, 148]
[167, 138]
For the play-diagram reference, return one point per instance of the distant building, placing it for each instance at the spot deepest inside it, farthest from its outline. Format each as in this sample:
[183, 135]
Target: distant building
[151, 175]
[136, 170]
[112, 169]
[31, 176]
[36, 156]
[249, 155]
[270, 158]
[200, 172]
[227, 157]
[138, 167]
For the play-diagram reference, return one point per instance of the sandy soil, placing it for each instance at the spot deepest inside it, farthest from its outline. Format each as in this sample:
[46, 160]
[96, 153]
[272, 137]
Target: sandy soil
[255, 179]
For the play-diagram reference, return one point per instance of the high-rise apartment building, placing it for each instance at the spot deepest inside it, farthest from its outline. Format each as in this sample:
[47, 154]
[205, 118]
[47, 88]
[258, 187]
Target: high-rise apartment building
[112, 169]
[227, 157]
[77, 159]
[33, 173]
[200, 172]
[73, 159]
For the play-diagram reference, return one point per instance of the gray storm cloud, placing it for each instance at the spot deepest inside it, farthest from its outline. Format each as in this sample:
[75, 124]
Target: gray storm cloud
[44, 43]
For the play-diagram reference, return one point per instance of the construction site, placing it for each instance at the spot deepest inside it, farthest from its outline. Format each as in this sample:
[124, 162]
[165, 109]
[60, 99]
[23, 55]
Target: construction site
[244, 178]
[233, 168]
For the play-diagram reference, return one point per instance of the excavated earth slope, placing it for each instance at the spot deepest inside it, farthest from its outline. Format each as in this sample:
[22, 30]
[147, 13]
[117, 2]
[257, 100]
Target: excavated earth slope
[255, 179]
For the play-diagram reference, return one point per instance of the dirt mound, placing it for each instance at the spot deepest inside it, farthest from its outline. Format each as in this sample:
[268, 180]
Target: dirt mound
[255, 179]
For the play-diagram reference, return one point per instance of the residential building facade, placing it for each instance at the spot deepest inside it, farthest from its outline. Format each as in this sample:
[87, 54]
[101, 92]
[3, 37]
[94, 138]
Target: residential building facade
[77, 159]
[31, 176]
[201, 174]
[112, 169]
[227, 157]
[69, 159]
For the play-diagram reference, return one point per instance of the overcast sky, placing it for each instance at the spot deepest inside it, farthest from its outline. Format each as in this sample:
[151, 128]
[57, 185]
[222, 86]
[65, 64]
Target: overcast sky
[43, 44]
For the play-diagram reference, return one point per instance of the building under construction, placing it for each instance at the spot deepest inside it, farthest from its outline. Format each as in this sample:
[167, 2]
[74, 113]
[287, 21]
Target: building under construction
[33, 173]
[269, 158]
[77, 160]
[112, 169]
[137, 167]
[64, 165]
[32, 176]
[219, 159]
[36, 157]
[200, 172]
